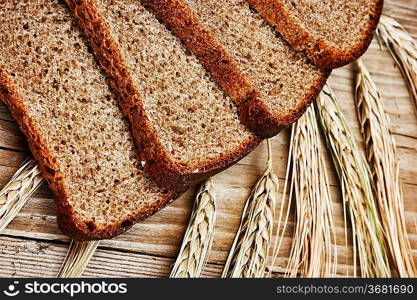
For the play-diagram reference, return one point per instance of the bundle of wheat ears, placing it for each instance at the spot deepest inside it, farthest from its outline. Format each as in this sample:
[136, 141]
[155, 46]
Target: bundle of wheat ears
[381, 155]
[355, 182]
[370, 189]
[313, 251]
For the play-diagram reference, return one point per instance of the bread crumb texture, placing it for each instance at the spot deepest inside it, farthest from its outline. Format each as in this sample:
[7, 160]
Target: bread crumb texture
[284, 77]
[340, 24]
[67, 99]
[195, 121]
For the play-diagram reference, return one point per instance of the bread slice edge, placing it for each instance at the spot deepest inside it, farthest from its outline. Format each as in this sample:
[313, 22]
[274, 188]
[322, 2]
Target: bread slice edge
[67, 219]
[253, 113]
[157, 163]
[320, 53]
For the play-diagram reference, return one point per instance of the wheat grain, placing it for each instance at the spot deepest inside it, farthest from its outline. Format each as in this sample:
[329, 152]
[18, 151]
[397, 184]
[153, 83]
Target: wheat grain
[18, 190]
[313, 251]
[198, 237]
[354, 176]
[249, 252]
[403, 49]
[381, 156]
[77, 258]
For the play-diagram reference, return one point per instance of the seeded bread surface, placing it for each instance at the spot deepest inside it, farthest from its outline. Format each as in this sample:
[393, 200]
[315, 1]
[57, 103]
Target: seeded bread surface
[333, 33]
[270, 82]
[185, 126]
[55, 90]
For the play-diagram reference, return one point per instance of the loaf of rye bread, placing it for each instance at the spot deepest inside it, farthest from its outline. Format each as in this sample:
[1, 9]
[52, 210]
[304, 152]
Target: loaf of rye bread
[270, 82]
[333, 33]
[186, 128]
[54, 88]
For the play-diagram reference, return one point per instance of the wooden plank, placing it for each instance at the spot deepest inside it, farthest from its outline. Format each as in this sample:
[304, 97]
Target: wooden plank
[5, 114]
[161, 234]
[11, 137]
[11, 158]
[30, 258]
[405, 12]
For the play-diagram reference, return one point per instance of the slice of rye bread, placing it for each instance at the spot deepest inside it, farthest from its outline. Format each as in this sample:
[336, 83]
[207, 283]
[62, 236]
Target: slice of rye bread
[333, 33]
[185, 126]
[270, 82]
[55, 90]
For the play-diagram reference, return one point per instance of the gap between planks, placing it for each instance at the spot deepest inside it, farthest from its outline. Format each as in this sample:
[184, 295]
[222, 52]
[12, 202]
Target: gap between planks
[33, 258]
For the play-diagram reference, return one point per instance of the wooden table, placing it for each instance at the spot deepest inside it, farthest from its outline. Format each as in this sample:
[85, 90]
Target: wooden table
[32, 244]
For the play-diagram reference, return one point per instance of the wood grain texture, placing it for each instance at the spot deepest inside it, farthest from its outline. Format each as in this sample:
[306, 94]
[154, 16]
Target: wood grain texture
[32, 244]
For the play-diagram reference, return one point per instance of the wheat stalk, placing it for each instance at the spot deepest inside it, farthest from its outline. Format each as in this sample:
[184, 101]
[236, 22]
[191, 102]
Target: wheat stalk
[14, 196]
[249, 252]
[382, 158]
[403, 49]
[77, 258]
[283, 216]
[198, 237]
[312, 252]
[18, 190]
[355, 181]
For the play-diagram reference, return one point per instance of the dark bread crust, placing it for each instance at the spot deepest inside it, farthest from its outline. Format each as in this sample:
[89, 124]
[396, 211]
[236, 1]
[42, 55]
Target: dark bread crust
[66, 216]
[159, 166]
[184, 23]
[321, 54]
[253, 112]
[178, 18]
[76, 230]
[171, 176]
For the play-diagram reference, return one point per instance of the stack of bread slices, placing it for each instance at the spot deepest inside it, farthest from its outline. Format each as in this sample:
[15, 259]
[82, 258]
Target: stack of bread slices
[126, 103]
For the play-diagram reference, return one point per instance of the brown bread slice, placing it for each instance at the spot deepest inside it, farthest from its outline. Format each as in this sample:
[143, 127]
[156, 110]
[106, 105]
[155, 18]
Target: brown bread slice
[236, 45]
[55, 90]
[333, 33]
[185, 126]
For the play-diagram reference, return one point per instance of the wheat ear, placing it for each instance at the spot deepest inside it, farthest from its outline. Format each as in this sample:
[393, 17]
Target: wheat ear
[77, 258]
[403, 49]
[382, 158]
[354, 176]
[198, 237]
[249, 252]
[313, 251]
[18, 190]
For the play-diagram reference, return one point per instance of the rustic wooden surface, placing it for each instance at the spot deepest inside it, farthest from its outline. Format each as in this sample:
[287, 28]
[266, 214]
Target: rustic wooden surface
[32, 244]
